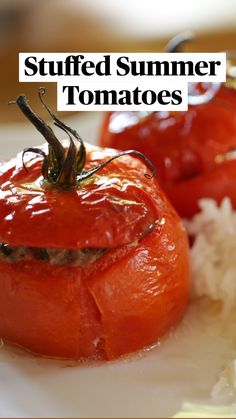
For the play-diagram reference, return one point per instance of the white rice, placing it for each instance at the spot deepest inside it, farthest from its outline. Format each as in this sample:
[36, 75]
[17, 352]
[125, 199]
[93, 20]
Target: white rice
[213, 261]
[213, 254]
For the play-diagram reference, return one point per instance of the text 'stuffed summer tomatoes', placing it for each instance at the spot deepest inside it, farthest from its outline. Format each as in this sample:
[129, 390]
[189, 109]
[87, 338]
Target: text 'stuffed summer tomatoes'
[94, 260]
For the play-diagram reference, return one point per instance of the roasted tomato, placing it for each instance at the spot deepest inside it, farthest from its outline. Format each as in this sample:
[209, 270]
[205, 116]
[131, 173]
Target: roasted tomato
[185, 147]
[94, 260]
[188, 149]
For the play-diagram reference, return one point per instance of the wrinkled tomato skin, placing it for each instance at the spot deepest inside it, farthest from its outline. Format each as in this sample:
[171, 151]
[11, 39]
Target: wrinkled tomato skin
[122, 302]
[125, 302]
[35, 214]
[43, 307]
[151, 285]
[39, 308]
[181, 145]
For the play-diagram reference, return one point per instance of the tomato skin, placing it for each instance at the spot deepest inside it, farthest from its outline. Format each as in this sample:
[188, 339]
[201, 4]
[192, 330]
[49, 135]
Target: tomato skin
[48, 310]
[181, 145]
[154, 295]
[39, 308]
[217, 184]
[34, 214]
[125, 300]
[64, 311]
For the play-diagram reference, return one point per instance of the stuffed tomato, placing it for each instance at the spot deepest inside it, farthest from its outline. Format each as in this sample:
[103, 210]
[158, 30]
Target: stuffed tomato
[187, 148]
[192, 150]
[94, 259]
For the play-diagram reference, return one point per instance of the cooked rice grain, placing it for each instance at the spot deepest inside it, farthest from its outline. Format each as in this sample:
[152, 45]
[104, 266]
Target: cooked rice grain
[213, 254]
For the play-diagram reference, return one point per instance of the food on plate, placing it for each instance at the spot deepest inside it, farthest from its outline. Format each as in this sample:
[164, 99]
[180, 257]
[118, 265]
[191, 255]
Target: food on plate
[192, 151]
[213, 268]
[94, 260]
[213, 261]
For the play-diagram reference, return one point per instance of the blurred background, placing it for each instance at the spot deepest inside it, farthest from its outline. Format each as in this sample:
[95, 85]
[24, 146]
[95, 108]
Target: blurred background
[101, 25]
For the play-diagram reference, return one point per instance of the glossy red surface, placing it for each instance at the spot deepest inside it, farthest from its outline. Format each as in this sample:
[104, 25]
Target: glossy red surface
[125, 300]
[181, 145]
[113, 207]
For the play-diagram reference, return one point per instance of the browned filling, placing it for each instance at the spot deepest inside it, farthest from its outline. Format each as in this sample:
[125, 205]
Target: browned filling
[60, 257]
[80, 257]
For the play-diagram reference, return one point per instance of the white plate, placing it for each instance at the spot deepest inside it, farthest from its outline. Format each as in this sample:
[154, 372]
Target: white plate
[153, 384]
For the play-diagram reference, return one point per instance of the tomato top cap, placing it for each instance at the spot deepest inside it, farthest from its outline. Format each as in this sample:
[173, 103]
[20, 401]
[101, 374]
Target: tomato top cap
[63, 203]
[61, 167]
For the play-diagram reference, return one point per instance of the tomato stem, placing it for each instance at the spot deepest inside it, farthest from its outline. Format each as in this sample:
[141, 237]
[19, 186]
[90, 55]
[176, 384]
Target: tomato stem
[64, 167]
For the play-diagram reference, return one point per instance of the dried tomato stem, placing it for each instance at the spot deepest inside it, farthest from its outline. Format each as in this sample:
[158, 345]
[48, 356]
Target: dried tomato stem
[43, 128]
[45, 165]
[90, 172]
[81, 156]
[61, 167]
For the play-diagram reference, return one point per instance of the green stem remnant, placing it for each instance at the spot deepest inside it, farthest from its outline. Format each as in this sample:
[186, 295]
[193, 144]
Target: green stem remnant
[64, 167]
